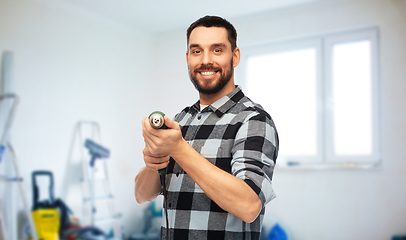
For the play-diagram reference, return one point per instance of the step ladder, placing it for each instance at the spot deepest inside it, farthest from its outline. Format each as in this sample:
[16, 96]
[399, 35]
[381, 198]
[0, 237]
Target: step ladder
[96, 187]
[3, 230]
[10, 178]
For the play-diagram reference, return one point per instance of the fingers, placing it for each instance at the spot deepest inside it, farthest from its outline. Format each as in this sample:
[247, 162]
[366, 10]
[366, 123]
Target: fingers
[170, 123]
[149, 133]
[146, 127]
[156, 166]
[154, 161]
[152, 144]
[161, 141]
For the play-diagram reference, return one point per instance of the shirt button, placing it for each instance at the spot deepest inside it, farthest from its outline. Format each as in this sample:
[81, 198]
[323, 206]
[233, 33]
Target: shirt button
[199, 117]
[177, 174]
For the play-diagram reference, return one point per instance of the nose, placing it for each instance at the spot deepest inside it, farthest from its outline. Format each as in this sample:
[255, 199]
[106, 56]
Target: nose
[207, 58]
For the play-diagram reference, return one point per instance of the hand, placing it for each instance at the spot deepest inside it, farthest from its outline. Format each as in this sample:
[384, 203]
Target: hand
[155, 162]
[160, 143]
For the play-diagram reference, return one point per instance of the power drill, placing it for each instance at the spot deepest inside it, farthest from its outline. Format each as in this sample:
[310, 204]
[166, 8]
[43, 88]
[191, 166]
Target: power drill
[156, 119]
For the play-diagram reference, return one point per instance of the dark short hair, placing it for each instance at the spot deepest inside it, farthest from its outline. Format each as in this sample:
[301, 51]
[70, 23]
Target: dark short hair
[214, 21]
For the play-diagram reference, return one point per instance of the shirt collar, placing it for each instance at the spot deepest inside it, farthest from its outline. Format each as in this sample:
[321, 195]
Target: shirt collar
[222, 105]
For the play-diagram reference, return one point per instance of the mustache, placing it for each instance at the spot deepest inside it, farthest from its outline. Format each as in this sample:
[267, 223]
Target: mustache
[207, 68]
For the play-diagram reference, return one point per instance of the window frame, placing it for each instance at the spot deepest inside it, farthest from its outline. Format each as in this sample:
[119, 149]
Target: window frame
[324, 44]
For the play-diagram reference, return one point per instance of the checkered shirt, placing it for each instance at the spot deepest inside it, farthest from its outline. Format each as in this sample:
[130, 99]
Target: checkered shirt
[237, 136]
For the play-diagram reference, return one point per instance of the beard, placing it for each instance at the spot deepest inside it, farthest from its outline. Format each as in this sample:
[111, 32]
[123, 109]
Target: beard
[206, 86]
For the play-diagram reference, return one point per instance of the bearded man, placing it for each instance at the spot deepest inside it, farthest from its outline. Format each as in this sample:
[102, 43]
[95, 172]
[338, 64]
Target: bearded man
[219, 153]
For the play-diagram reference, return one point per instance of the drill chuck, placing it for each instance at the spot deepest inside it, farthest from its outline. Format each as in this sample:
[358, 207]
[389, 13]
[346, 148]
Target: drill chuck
[156, 119]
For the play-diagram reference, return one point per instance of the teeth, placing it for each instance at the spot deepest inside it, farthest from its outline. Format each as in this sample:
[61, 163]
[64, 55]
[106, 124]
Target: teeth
[207, 73]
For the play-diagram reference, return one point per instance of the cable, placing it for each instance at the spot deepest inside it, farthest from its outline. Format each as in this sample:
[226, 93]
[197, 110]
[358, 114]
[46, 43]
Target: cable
[165, 193]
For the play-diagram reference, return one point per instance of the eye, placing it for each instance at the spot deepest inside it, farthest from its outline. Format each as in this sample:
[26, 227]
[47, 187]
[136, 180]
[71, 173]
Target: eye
[218, 50]
[196, 51]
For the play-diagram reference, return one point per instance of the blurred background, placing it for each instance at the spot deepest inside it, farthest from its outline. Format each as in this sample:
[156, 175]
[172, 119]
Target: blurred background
[104, 65]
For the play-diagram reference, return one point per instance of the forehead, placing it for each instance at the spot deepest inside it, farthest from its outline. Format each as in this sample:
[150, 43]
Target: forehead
[206, 36]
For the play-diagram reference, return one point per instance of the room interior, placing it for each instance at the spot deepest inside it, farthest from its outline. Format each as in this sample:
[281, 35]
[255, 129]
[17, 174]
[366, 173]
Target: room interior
[115, 62]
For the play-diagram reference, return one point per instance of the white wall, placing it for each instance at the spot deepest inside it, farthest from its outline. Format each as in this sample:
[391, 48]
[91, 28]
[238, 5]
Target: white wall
[331, 204]
[70, 65]
[346, 204]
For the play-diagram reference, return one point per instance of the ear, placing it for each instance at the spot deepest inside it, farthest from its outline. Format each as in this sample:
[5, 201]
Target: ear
[236, 57]
[187, 56]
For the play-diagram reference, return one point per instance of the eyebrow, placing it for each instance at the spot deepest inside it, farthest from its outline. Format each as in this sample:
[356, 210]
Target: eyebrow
[218, 45]
[194, 45]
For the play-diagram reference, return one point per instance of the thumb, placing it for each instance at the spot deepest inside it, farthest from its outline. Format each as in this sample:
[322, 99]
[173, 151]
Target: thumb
[170, 123]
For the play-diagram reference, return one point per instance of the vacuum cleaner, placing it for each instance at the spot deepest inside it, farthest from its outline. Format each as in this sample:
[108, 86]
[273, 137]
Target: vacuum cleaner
[51, 216]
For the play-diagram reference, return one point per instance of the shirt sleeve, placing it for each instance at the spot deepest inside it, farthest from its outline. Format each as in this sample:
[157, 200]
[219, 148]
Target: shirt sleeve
[254, 154]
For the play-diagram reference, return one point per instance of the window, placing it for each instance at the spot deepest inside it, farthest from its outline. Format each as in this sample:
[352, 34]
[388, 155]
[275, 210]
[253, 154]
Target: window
[322, 95]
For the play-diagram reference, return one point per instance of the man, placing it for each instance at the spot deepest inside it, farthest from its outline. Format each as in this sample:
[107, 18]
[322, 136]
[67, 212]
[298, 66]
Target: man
[219, 153]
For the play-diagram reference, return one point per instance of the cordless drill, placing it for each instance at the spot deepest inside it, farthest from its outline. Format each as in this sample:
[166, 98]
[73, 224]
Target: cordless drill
[156, 119]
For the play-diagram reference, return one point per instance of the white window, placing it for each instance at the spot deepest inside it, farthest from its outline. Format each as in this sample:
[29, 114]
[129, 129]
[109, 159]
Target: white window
[322, 93]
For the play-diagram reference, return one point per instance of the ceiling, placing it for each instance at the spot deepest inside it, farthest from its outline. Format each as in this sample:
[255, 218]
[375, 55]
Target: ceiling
[155, 16]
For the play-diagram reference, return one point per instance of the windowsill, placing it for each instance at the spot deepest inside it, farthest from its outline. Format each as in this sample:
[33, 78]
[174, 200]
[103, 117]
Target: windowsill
[330, 166]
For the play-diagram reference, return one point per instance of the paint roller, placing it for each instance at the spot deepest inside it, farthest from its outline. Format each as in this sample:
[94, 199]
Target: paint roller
[96, 151]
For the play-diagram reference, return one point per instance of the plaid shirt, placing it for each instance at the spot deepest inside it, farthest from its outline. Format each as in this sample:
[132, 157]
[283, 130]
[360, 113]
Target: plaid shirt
[237, 136]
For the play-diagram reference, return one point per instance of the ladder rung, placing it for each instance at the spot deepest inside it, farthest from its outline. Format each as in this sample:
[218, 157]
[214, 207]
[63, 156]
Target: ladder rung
[11, 179]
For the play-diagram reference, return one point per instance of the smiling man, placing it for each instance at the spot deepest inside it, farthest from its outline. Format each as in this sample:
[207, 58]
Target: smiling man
[219, 152]
[211, 64]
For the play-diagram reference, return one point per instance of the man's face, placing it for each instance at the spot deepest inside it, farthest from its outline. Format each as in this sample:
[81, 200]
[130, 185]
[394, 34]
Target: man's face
[210, 59]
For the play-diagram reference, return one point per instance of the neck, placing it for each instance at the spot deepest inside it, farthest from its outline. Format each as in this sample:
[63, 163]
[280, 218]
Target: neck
[207, 99]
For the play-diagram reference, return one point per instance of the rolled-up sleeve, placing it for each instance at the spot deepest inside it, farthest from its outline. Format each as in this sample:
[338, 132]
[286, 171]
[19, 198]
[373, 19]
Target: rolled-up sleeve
[254, 154]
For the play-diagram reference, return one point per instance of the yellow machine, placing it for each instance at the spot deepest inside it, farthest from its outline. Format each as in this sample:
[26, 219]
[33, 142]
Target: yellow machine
[45, 214]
